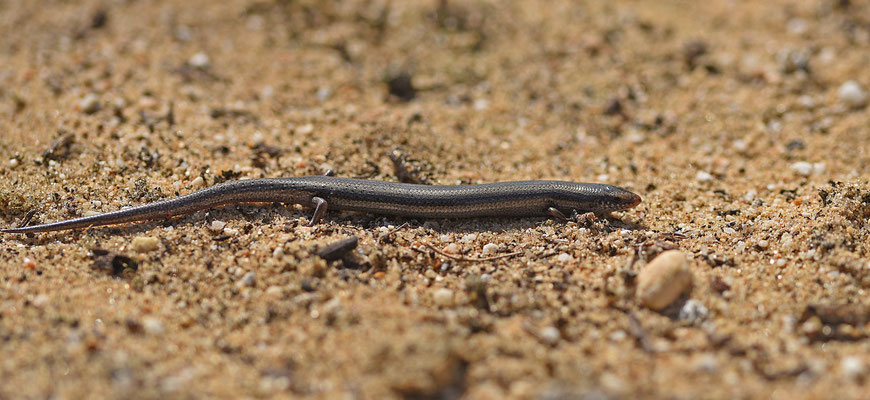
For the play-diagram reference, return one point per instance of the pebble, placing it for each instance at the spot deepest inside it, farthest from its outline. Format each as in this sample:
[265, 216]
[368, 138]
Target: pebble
[89, 104]
[29, 263]
[703, 176]
[231, 231]
[468, 238]
[852, 94]
[853, 368]
[218, 226]
[550, 335]
[452, 248]
[564, 257]
[144, 244]
[152, 325]
[663, 280]
[198, 182]
[693, 312]
[278, 252]
[199, 60]
[249, 279]
[804, 168]
[490, 249]
[443, 297]
[305, 129]
[324, 93]
[13, 163]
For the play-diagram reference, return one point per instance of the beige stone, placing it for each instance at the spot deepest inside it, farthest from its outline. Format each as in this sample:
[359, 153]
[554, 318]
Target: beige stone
[663, 280]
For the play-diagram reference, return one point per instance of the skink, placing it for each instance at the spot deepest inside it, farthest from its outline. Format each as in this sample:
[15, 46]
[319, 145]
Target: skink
[505, 199]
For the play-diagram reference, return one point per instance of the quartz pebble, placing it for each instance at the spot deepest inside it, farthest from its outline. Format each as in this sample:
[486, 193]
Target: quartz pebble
[852, 94]
[249, 279]
[703, 176]
[550, 335]
[804, 168]
[152, 325]
[490, 249]
[144, 244]
[89, 104]
[853, 368]
[443, 297]
[663, 280]
[693, 312]
[199, 60]
[218, 226]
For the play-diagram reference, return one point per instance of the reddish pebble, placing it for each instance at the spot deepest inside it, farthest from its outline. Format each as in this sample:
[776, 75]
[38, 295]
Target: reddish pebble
[29, 264]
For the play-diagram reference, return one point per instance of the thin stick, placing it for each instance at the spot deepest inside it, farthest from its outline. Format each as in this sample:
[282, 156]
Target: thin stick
[394, 230]
[466, 259]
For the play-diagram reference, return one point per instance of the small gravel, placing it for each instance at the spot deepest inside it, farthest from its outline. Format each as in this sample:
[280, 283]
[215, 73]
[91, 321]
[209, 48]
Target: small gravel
[199, 60]
[217, 226]
[550, 335]
[703, 176]
[853, 368]
[144, 244]
[443, 297]
[89, 104]
[852, 94]
[490, 249]
[152, 326]
[249, 279]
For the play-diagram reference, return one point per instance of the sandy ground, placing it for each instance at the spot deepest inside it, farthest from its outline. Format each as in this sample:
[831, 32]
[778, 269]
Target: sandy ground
[728, 118]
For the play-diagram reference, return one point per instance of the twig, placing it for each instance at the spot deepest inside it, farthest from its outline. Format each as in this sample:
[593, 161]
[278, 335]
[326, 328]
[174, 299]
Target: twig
[466, 259]
[392, 231]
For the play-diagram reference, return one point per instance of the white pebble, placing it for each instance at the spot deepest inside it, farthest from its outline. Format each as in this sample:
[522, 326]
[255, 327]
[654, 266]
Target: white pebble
[324, 93]
[305, 129]
[481, 104]
[468, 238]
[258, 137]
[443, 297]
[176, 185]
[852, 94]
[249, 279]
[693, 311]
[444, 238]
[199, 60]
[278, 252]
[663, 280]
[490, 249]
[802, 168]
[750, 195]
[797, 26]
[703, 176]
[218, 226]
[89, 104]
[144, 244]
[198, 182]
[564, 257]
[740, 145]
[452, 248]
[152, 325]
[853, 368]
[550, 335]
[231, 231]
[13, 163]
[706, 363]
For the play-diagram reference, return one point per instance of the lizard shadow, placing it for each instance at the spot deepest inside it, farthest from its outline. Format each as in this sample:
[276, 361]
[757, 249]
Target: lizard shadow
[291, 216]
